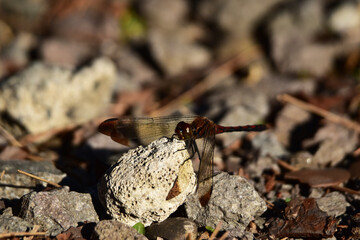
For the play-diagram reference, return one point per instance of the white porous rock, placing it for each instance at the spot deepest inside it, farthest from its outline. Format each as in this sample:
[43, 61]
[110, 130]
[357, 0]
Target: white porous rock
[136, 187]
[44, 97]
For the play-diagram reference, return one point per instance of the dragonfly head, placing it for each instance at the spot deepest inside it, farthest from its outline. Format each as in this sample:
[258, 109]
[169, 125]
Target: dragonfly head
[183, 131]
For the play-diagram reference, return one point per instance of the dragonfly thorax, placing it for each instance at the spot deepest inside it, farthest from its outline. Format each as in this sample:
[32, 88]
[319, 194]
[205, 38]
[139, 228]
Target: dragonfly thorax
[183, 131]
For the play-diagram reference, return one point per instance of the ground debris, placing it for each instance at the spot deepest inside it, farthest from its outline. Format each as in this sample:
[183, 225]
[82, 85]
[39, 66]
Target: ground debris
[320, 177]
[303, 218]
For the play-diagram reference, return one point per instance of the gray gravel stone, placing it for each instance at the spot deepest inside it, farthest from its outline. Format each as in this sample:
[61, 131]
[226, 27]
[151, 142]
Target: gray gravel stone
[176, 52]
[115, 230]
[234, 201]
[10, 223]
[15, 185]
[173, 228]
[56, 211]
[334, 204]
[335, 142]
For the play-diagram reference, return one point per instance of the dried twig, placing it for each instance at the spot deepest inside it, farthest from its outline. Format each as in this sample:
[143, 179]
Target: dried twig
[215, 77]
[345, 189]
[39, 178]
[321, 112]
[203, 236]
[216, 231]
[270, 204]
[2, 174]
[286, 165]
[14, 142]
[8, 136]
[34, 230]
[20, 234]
[356, 153]
[32, 138]
[224, 236]
[188, 236]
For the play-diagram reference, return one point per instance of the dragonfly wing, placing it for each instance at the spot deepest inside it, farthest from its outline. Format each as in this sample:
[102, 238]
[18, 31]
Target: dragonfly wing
[204, 187]
[141, 130]
[108, 127]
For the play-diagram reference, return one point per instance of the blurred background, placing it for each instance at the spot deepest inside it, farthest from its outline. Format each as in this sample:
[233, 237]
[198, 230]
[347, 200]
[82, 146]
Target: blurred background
[157, 57]
[67, 65]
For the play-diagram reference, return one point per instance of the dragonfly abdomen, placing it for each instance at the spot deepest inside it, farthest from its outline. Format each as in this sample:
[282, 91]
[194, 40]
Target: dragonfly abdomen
[246, 128]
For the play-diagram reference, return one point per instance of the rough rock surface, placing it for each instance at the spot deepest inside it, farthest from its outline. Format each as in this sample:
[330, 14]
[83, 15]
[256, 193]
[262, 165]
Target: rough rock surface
[112, 229]
[56, 211]
[173, 228]
[334, 204]
[136, 187]
[234, 201]
[10, 223]
[15, 185]
[335, 142]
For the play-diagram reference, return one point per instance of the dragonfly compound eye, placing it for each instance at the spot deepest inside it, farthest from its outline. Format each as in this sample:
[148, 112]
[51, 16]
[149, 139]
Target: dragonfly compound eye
[183, 131]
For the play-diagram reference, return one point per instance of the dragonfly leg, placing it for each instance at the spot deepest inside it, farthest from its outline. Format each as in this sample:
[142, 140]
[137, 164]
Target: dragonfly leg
[190, 147]
[174, 136]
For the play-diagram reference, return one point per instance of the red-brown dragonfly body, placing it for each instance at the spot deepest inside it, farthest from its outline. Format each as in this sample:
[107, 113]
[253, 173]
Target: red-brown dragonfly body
[188, 128]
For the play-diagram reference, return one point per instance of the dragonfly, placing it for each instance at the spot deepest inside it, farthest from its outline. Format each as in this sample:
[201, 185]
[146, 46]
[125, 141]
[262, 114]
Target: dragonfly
[144, 130]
